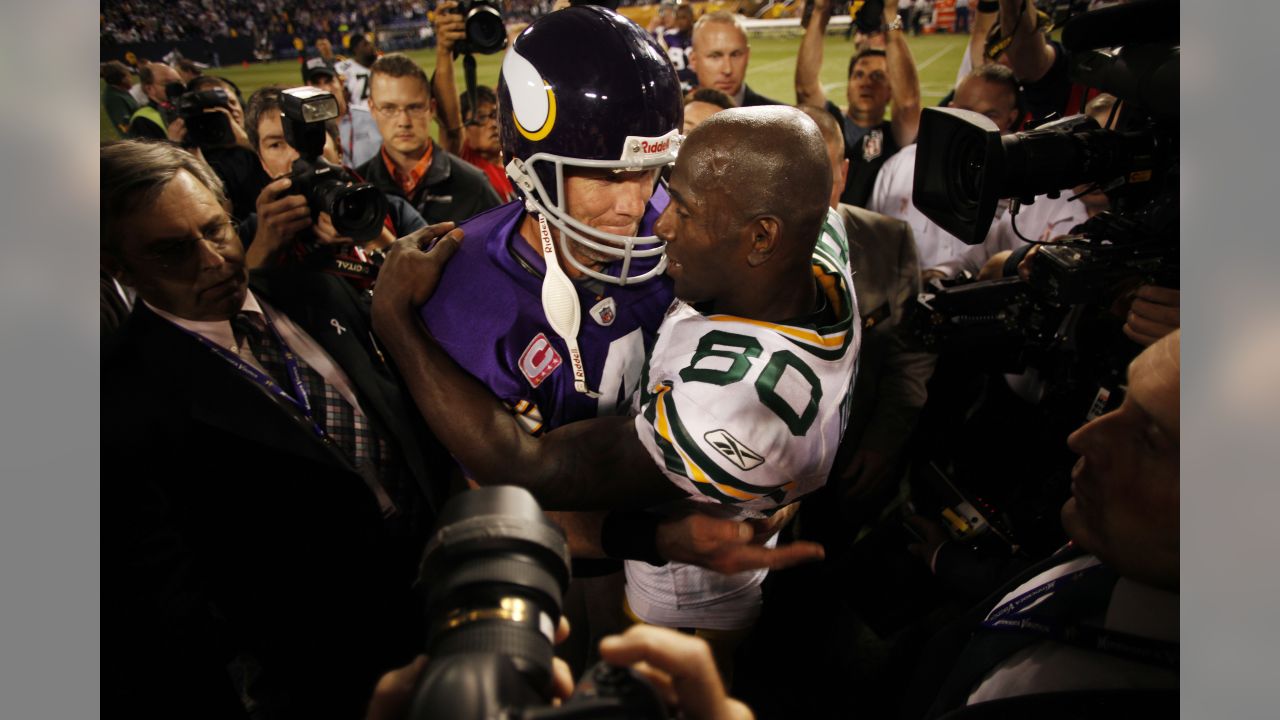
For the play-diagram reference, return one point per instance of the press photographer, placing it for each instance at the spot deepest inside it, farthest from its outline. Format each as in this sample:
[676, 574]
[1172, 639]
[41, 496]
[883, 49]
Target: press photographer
[313, 212]
[210, 123]
[1030, 356]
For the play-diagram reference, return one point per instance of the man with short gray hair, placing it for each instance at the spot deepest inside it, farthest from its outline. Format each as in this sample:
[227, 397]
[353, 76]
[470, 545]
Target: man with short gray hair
[255, 442]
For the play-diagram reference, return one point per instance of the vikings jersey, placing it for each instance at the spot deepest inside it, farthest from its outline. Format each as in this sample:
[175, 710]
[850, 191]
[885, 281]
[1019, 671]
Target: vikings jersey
[677, 46]
[744, 415]
[487, 315]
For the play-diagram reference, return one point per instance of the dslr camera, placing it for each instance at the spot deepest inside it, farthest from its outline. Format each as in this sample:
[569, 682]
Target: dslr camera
[357, 209]
[204, 129]
[486, 33]
[494, 575]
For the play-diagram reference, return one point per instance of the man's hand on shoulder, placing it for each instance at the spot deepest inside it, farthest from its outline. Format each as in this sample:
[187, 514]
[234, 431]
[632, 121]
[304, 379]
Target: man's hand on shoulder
[727, 546]
[410, 275]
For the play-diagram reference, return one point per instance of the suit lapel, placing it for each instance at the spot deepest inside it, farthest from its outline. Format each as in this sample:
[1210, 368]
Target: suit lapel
[327, 309]
[220, 397]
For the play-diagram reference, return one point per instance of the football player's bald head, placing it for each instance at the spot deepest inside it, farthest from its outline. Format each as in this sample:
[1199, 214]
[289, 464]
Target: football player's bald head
[768, 160]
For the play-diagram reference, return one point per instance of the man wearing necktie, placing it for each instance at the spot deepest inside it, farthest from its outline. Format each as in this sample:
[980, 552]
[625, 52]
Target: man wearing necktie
[266, 488]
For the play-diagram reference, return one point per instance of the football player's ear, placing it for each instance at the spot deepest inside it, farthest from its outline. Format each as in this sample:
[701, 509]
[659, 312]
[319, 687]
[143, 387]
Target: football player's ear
[763, 235]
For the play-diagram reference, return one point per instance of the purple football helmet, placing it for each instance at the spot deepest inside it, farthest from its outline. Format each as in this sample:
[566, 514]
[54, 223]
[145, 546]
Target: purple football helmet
[584, 87]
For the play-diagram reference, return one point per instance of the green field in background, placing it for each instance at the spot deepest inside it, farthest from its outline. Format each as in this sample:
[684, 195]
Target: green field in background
[771, 72]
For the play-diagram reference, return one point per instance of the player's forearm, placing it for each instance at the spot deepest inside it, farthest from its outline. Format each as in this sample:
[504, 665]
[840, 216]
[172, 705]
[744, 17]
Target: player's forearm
[904, 85]
[484, 437]
[809, 62]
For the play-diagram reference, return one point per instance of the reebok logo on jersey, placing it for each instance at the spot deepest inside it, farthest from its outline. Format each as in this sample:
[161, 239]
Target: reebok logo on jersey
[730, 447]
[539, 360]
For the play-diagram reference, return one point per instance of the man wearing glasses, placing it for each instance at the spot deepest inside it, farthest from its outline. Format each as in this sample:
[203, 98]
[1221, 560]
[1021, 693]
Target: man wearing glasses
[481, 145]
[267, 485]
[439, 184]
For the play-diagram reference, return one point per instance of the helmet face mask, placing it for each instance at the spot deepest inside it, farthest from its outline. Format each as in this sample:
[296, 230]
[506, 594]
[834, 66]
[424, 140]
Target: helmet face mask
[551, 202]
[586, 89]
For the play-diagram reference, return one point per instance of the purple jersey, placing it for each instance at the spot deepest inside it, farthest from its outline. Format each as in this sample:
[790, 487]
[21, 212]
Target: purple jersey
[677, 46]
[487, 315]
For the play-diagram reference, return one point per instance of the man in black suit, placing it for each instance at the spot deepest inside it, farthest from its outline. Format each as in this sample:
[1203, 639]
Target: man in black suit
[267, 488]
[719, 58]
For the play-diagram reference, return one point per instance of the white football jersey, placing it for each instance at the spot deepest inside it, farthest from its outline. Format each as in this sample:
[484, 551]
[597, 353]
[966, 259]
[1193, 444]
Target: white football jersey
[356, 77]
[746, 415]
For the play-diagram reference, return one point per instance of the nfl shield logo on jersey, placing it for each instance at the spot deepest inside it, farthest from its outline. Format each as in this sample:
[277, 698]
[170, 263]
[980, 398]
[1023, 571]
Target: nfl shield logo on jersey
[604, 311]
[539, 360]
[872, 145]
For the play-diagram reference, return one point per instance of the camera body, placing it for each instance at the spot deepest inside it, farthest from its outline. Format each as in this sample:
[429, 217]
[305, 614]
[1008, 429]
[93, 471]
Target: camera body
[494, 575]
[206, 129]
[357, 209]
[486, 33]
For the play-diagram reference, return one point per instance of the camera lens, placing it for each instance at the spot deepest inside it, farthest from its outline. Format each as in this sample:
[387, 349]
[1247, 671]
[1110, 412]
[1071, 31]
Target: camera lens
[495, 574]
[357, 210]
[485, 31]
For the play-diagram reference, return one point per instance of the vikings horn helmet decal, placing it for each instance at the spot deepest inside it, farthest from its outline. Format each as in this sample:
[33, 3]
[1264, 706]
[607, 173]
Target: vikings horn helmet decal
[586, 88]
[533, 102]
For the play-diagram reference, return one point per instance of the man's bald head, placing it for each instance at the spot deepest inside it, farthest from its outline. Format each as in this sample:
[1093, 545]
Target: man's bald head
[767, 160]
[748, 199]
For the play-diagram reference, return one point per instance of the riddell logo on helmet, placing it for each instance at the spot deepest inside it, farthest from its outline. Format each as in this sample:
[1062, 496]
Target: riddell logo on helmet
[655, 148]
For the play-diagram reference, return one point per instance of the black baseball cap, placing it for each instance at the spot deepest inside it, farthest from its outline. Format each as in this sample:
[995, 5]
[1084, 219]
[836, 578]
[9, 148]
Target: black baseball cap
[317, 65]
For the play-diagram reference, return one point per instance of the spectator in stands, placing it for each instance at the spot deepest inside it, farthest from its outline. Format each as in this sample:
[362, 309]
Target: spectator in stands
[677, 43]
[1100, 616]
[439, 184]
[282, 217]
[256, 442]
[701, 104]
[116, 99]
[152, 120]
[989, 90]
[875, 78]
[356, 128]
[355, 70]
[890, 391]
[719, 57]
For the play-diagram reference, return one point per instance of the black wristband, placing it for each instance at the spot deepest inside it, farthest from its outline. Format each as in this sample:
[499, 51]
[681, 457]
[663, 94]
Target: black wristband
[631, 535]
[988, 6]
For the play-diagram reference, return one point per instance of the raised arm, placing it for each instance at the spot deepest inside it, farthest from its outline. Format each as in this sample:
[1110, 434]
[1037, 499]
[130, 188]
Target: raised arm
[904, 83]
[449, 29]
[809, 60]
[1030, 55]
[597, 464]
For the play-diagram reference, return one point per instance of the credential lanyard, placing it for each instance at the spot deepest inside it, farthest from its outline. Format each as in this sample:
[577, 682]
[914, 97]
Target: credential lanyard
[561, 306]
[298, 398]
[1017, 615]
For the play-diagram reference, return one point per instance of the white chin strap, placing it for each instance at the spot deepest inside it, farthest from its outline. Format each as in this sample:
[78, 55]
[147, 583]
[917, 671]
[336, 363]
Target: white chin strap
[560, 304]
